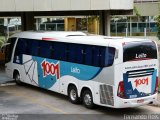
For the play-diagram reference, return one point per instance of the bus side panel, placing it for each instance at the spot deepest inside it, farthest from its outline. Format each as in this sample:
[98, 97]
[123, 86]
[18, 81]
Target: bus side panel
[56, 75]
[104, 87]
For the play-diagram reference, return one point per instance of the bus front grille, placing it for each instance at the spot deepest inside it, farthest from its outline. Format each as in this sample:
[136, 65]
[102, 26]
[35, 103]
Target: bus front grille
[106, 95]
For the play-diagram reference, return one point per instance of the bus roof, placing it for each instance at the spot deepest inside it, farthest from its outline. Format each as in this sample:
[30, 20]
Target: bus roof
[74, 37]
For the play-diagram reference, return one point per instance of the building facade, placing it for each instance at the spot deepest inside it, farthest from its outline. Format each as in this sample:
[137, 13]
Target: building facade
[30, 11]
[64, 5]
[141, 21]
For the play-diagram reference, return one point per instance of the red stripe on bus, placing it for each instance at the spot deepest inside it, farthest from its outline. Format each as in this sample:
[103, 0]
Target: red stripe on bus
[48, 39]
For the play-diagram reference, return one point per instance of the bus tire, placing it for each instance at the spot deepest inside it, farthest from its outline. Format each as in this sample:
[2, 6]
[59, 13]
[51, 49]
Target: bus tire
[73, 94]
[87, 99]
[17, 78]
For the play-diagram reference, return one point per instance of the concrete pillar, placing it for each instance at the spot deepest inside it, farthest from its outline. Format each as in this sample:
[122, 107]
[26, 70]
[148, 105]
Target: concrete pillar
[130, 23]
[107, 23]
[104, 23]
[27, 19]
[101, 21]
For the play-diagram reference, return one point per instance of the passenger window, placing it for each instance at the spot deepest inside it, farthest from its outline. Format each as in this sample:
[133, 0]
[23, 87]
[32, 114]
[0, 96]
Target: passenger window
[59, 51]
[29, 47]
[89, 55]
[102, 56]
[96, 56]
[111, 55]
[33, 47]
[77, 53]
[107, 56]
[80, 54]
[45, 49]
[72, 53]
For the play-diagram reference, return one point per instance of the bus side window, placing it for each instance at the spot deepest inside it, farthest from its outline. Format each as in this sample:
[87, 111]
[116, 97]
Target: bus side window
[29, 48]
[107, 56]
[80, 54]
[59, 51]
[111, 55]
[72, 52]
[33, 47]
[88, 55]
[52, 50]
[103, 56]
[45, 49]
[96, 56]
[76, 53]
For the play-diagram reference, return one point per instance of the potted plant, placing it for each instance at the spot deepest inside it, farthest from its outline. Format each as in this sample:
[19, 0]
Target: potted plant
[157, 19]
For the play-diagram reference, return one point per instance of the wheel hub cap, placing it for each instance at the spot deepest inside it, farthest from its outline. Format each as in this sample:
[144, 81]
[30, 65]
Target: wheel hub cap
[73, 95]
[87, 99]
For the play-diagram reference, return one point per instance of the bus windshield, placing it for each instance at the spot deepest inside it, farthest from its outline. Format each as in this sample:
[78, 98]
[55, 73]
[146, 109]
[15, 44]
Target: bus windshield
[139, 51]
[9, 49]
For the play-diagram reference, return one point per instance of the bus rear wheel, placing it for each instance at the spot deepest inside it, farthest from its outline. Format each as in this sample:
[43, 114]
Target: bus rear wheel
[87, 99]
[73, 95]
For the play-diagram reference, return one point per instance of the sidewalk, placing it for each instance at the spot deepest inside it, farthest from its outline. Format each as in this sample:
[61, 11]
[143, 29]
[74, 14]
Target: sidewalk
[4, 78]
[157, 103]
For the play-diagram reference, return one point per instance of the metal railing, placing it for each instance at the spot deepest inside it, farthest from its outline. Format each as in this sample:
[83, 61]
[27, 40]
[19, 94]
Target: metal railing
[50, 26]
[133, 28]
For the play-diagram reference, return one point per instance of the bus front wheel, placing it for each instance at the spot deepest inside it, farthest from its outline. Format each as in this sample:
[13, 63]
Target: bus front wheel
[88, 99]
[17, 78]
[73, 95]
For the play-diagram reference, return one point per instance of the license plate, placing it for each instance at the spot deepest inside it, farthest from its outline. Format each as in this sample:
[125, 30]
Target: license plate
[140, 101]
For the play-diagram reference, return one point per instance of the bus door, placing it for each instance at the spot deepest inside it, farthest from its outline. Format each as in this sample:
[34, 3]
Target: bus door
[2, 55]
[8, 55]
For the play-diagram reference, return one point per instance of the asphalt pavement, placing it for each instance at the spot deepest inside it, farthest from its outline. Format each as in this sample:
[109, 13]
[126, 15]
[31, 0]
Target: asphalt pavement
[4, 78]
[31, 103]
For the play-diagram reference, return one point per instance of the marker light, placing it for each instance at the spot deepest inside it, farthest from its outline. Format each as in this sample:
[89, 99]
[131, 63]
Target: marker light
[120, 91]
[48, 39]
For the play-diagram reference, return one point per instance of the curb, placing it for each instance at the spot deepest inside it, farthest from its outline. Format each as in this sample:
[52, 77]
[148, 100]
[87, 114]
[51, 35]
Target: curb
[157, 102]
[8, 83]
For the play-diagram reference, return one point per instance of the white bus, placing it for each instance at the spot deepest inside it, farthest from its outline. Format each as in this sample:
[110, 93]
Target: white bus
[108, 71]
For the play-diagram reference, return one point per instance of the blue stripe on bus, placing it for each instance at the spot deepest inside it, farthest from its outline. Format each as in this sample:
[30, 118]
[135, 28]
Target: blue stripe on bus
[79, 71]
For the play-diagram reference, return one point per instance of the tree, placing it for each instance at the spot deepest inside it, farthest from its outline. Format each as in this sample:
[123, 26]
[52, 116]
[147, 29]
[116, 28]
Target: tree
[157, 19]
[2, 41]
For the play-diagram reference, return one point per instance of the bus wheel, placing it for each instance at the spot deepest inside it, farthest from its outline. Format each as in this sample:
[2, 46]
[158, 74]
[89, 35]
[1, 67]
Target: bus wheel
[17, 78]
[88, 99]
[73, 95]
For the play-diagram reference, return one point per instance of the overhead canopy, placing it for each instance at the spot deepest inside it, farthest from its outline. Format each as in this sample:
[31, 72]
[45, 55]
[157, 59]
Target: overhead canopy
[64, 5]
